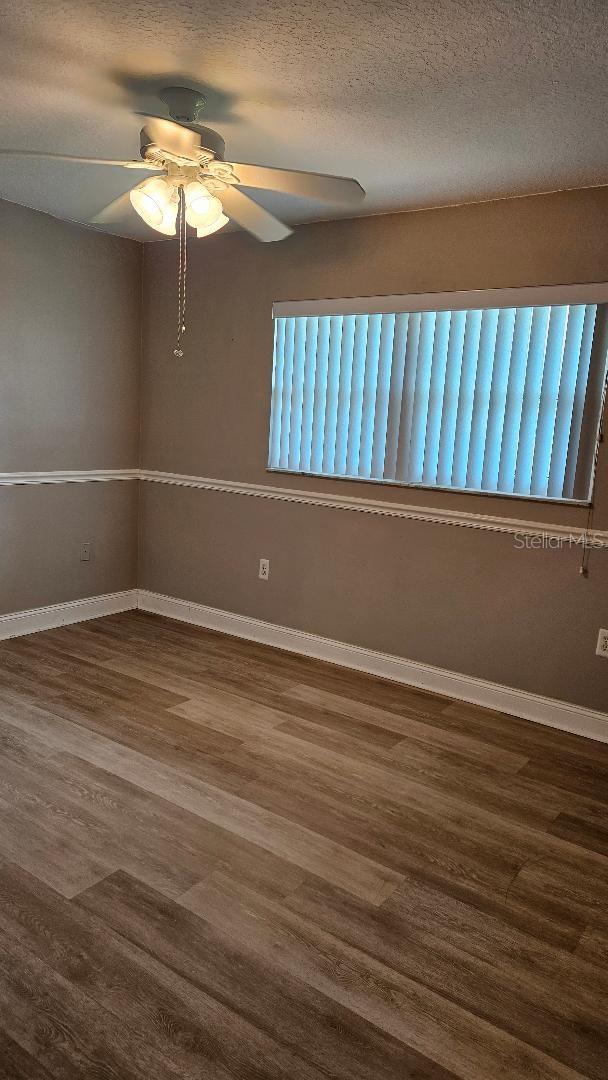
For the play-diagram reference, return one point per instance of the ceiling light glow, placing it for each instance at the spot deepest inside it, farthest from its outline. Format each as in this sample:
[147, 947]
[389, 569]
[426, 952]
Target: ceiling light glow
[156, 202]
[202, 208]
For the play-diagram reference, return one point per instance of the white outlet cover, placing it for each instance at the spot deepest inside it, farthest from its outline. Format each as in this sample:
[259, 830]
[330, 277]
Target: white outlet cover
[264, 572]
[602, 644]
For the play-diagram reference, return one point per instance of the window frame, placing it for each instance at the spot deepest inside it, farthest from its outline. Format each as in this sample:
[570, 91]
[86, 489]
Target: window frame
[478, 299]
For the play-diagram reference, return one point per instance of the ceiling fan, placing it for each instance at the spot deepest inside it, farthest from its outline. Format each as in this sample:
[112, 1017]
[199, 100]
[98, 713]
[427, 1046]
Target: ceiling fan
[192, 183]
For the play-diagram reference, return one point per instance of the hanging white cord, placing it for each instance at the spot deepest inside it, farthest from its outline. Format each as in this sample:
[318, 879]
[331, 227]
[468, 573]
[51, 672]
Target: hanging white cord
[182, 273]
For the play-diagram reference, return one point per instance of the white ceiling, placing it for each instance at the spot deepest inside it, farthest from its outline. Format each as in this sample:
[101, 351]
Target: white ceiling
[425, 103]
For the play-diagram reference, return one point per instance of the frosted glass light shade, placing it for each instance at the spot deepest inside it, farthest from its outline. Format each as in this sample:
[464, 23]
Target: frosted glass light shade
[202, 208]
[155, 202]
[206, 230]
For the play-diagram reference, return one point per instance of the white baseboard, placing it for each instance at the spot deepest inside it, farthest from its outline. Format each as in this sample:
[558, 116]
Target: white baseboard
[72, 611]
[541, 710]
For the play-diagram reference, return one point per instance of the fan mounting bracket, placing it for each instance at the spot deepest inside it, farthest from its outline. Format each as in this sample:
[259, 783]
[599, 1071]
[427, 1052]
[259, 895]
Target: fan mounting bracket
[184, 104]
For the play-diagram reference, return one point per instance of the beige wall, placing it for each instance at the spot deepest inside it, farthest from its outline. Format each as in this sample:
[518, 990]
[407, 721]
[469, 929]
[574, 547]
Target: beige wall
[452, 597]
[69, 388]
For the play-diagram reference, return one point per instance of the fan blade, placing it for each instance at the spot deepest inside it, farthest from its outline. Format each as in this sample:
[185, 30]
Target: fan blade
[310, 185]
[252, 217]
[114, 212]
[173, 137]
[144, 166]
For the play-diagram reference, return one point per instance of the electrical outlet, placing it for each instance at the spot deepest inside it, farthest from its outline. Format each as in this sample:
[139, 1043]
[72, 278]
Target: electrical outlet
[85, 551]
[602, 644]
[264, 572]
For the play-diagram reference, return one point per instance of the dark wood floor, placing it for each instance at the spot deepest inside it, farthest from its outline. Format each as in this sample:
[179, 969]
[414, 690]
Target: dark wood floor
[218, 860]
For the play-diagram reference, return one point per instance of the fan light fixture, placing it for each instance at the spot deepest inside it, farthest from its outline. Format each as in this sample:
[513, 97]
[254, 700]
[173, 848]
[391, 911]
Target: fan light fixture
[202, 208]
[206, 230]
[190, 170]
[170, 203]
[156, 202]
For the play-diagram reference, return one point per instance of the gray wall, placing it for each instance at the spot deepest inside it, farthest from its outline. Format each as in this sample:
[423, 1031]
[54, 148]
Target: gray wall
[459, 599]
[41, 529]
[69, 388]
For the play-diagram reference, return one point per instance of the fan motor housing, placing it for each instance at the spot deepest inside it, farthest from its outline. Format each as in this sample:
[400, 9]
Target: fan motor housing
[211, 141]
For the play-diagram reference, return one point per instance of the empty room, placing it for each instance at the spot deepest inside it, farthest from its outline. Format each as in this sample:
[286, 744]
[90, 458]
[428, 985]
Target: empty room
[304, 540]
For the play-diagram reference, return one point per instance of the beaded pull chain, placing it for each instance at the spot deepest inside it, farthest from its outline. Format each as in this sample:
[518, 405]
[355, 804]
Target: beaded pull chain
[181, 273]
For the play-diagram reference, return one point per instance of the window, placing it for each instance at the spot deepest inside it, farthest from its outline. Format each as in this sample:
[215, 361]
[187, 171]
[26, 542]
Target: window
[497, 392]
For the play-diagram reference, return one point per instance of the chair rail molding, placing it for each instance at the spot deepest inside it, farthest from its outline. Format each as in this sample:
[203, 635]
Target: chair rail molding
[66, 476]
[459, 518]
[411, 512]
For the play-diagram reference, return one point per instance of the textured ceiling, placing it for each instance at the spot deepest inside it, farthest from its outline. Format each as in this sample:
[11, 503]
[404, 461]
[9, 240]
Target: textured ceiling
[424, 103]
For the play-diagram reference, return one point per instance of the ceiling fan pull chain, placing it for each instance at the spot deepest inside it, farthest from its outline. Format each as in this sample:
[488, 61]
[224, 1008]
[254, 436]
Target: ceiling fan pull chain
[181, 272]
[185, 272]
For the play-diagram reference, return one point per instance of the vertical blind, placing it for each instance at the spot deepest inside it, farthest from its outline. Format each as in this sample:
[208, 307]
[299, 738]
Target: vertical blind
[504, 400]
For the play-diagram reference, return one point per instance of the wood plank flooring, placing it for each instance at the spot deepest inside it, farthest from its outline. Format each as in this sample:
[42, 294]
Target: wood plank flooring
[219, 860]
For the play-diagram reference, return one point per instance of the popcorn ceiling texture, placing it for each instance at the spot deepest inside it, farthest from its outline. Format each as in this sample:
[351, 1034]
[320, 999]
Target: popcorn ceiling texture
[425, 103]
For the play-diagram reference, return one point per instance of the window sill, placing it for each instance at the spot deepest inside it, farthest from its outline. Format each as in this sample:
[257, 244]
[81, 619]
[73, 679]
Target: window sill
[464, 493]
